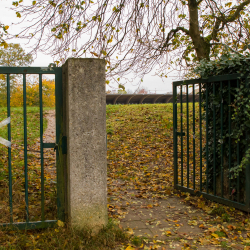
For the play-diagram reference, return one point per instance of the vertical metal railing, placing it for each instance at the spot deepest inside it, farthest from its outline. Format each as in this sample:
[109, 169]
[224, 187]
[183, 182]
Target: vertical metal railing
[9, 150]
[214, 144]
[61, 142]
[207, 163]
[200, 123]
[238, 157]
[221, 139]
[181, 138]
[193, 135]
[247, 183]
[229, 138]
[212, 149]
[175, 134]
[41, 145]
[27, 224]
[25, 148]
[187, 138]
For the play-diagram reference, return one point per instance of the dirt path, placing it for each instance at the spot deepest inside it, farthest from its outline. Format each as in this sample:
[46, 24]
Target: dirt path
[50, 132]
[49, 136]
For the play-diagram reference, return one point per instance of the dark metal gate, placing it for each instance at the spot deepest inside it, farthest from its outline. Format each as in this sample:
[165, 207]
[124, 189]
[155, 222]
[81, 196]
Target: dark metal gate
[58, 146]
[205, 151]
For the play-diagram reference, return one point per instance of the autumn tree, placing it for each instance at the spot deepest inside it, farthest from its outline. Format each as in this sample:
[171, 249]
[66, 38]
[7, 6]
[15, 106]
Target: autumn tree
[11, 55]
[14, 55]
[137, 35]
[32, 92]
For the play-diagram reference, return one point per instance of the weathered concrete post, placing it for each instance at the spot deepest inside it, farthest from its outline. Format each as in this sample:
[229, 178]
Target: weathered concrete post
[85, 128]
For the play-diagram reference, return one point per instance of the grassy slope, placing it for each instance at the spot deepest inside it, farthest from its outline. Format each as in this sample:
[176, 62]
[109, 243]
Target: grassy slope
[140, 145]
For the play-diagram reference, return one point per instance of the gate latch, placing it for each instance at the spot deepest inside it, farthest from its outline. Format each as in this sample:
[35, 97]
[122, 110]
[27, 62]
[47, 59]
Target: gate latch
[55, 147]
[180, 133]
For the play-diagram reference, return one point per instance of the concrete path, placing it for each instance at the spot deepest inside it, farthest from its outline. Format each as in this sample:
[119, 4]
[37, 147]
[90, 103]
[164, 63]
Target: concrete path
[163, 223]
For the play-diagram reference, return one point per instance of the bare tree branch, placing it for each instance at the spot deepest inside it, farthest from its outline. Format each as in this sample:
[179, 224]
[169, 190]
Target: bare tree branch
[136, 36]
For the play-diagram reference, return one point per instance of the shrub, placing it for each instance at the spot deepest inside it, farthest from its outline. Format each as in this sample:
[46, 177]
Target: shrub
[32, 93]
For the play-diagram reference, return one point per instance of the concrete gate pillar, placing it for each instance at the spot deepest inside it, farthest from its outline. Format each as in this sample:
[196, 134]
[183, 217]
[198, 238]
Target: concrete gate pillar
[85, 127]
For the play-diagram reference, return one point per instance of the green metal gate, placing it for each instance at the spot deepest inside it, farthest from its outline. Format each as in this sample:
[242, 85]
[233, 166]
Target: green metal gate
[204, 148]
[59, 146]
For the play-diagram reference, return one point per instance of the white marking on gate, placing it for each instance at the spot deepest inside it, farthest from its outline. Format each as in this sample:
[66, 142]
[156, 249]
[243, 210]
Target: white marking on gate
[2, 140]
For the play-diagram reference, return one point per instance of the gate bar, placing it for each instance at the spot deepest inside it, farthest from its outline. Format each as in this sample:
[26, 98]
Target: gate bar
[60, 141]
[193, 138]
[9, 150]
[238, 160]
[207, 137]
[30, 225]
[200, 137]
[25, 148]
[229, 139]
[175, 135]
[215, 198]
[41, 145]
[214, 135]
[181, 140]
[222, 143]
[187, 141]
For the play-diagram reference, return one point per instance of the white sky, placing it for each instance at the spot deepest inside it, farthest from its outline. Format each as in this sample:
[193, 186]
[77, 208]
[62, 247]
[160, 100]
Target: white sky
[153, 83]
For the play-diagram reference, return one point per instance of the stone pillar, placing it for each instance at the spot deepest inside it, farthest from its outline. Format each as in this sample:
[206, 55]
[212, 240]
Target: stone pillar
[85, 128]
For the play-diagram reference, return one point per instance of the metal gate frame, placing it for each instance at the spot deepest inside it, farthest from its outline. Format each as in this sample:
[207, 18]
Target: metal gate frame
[60, 146]
[178, 167]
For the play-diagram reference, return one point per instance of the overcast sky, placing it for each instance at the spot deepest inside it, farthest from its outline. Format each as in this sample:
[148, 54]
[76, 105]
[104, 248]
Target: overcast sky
[150, 82]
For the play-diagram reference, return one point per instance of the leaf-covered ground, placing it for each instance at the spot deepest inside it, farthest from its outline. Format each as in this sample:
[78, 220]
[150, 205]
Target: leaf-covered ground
[140, 167]
[140, 146]
[140, 178]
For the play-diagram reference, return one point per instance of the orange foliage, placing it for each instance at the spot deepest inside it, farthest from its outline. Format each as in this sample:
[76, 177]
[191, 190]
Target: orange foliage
[32, 94]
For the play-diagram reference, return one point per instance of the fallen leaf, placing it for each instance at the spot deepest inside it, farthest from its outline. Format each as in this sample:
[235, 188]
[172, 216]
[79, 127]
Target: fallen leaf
[130, 248]
[130, 231]
[60, 223]
[231, 227]
[215, 235]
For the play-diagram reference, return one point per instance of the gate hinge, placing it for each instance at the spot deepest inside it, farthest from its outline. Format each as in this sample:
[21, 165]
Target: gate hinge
[64, 145]
[180, 133]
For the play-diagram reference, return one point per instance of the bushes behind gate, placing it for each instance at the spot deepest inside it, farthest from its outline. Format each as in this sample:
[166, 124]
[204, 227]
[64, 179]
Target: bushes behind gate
[32, 94]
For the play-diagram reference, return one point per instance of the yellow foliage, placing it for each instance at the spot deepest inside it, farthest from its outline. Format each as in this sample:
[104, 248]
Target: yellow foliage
[32, 94]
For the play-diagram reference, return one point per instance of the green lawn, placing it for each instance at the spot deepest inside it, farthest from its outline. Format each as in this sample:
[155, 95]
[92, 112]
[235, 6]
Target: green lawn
[17, 127]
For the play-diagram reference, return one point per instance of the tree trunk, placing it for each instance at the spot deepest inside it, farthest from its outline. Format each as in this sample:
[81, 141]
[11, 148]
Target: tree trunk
[201, 46]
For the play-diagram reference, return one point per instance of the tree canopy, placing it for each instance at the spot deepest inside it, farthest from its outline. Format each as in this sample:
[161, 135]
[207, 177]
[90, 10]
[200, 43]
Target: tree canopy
[137, 35]
[11, 55]
[14, 55]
